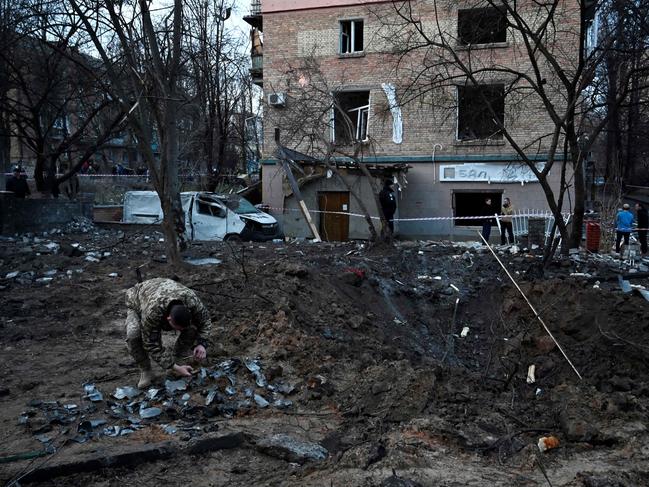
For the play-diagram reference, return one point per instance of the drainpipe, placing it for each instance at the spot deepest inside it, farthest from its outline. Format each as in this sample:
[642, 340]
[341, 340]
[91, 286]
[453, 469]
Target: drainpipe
[435, 146]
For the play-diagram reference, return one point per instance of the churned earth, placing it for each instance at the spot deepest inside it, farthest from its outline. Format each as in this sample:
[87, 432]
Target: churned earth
[330, 365]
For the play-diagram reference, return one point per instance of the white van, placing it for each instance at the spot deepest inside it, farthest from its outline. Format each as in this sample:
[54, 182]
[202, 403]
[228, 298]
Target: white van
[208, 216]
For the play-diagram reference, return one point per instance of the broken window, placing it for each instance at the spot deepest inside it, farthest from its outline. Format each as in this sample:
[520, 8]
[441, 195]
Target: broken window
[481, 26]
[351, 36]
[480, 112]
[208, 206]
[350, 116]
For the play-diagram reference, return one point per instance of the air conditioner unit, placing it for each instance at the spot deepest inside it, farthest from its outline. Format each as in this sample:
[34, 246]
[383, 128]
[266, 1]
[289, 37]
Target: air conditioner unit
[277, 99]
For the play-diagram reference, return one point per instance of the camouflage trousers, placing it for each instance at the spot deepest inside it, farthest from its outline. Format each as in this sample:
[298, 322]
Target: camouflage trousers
[181, 350]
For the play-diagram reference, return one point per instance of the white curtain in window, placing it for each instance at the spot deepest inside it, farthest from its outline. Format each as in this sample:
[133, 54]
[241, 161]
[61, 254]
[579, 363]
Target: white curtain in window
[395, 109]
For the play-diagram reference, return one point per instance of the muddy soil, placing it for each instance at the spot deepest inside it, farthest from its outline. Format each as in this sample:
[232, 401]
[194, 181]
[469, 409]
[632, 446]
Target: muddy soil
[406, 365]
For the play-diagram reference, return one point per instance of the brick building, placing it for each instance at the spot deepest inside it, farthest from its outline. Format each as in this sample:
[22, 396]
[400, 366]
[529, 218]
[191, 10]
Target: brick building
[455, 153]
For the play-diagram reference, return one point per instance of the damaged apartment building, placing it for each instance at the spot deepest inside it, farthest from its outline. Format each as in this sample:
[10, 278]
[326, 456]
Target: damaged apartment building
[443, 146]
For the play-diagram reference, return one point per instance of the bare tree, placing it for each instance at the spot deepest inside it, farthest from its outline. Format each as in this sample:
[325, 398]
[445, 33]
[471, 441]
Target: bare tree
[318, 122]
[142, 54]
[549, 66]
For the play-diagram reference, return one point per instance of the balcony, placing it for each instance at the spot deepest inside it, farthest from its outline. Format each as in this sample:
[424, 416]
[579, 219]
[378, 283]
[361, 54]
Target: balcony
[254, 18]
[257, 69]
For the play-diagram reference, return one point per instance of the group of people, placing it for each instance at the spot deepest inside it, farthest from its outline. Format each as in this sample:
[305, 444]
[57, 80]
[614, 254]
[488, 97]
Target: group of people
[624, 226]
[506, 226]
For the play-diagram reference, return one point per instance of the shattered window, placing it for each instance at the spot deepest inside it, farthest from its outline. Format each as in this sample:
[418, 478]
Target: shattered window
[207, 206]
[351, 36]
[480, 112]
[240, 205]
[350, 116]
[481, 26]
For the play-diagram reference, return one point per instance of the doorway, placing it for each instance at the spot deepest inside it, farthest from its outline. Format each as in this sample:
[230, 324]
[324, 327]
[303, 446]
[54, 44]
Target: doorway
[334, 226]
[470, 203]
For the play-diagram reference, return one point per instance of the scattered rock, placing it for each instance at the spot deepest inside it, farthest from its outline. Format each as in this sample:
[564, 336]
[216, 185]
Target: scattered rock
[291, 449]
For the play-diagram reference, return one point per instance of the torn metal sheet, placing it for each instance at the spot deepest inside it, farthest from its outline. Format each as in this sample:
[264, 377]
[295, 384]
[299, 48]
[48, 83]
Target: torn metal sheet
[625, 285]
[175, 385]
[255, 369]
[89, 425]
[148, 413]
[261, 401]
[126, 392]
[211, 396]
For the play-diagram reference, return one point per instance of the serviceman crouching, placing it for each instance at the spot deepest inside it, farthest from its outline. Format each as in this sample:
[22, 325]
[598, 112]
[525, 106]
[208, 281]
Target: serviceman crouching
[160, 305]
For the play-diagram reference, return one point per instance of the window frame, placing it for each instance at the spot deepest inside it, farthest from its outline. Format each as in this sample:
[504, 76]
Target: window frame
[351, 36]
[464, 11]
[491, 138]
[362, 118]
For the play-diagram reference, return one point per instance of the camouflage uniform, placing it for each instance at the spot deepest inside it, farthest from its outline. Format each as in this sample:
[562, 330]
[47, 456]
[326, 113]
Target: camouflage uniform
[148, 306]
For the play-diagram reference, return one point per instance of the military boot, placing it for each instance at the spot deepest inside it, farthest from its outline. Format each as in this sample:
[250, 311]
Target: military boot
[146, 376]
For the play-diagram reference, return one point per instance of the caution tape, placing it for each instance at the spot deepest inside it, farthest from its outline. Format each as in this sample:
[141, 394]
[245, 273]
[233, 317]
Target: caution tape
[428, 218]
[537, 214]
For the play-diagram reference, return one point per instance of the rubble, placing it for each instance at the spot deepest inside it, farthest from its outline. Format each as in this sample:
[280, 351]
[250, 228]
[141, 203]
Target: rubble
[348, 373]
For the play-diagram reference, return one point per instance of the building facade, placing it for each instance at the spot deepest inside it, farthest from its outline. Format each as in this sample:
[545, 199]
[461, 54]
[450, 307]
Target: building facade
[450, 136]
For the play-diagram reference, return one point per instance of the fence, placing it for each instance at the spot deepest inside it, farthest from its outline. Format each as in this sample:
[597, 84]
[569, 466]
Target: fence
[520, 222]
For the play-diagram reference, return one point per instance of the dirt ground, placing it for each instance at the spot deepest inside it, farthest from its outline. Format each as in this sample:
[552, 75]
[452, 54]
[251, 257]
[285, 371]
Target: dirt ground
[397, 366]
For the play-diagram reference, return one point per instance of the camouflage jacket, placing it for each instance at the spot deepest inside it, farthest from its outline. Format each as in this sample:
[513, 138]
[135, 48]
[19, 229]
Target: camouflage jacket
[150, 300]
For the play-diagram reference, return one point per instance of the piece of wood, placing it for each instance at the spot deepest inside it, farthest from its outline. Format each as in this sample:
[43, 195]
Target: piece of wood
[298, 195]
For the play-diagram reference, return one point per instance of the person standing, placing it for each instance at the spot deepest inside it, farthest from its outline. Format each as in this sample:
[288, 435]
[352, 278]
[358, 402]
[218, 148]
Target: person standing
[506, 225]
[159, 305]
[17, 184]
[642, 217]
[388, 203]
[624, 226]
[487, 210]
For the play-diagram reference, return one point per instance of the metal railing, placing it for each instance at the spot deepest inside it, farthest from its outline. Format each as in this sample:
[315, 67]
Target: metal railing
[255, 7]
[520, 222]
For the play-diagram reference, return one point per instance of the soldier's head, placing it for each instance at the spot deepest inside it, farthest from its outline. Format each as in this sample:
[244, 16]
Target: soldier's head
[179, 317]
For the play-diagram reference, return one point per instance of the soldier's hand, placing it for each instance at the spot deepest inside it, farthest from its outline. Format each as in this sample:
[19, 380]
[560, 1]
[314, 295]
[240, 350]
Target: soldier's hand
[199, 352]
[183, 370]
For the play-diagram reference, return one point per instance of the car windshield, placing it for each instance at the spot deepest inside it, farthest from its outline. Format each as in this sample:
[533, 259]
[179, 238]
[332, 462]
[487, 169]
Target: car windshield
[239, 205]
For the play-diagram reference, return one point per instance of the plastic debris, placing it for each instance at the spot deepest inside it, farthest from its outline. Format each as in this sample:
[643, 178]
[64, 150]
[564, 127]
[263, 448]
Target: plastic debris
[625, 285]
[113, 274]
[464, 332]
[204, 261]
[548, 443]
[148, 413]
[175, 385]
[454, 287]
[11, 275]
[186, 397]
[530, 374]
[169, 429]
[126, 392]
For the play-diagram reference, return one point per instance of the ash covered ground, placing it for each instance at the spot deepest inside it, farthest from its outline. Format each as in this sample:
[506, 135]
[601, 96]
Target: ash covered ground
[330, 364]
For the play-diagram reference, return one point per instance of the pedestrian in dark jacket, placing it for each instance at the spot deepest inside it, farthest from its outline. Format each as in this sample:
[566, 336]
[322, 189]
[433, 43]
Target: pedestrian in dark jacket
[487, 210]
[388, 203]
[643, 223]
[17, 184]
